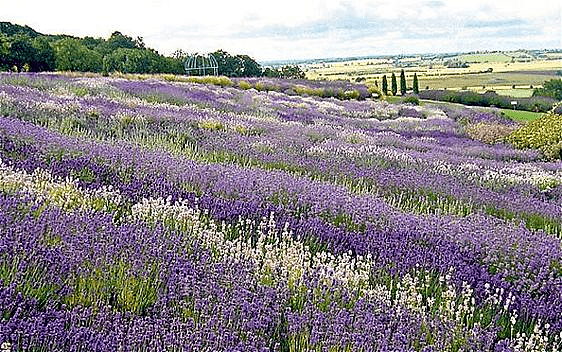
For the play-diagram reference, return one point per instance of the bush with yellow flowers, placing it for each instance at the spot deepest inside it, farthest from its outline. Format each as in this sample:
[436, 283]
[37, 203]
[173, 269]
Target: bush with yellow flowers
[544, 134]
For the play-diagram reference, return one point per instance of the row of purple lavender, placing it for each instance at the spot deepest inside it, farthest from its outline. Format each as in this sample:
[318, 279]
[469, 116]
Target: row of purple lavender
[149, 215]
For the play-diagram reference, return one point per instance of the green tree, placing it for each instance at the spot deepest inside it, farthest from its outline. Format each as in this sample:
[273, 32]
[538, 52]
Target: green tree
[72, 55]
[415, 84]
[394, 86]
[118, 40]
[14, 29]
[236, 66]
[551, 88]
[271, 72]
[249, 66]
[134, 61]
[384, 85]
[292, 72]
[22, 54]
[4, 52]
[45, 59]
[228, 65]
[92, 43]
[402, 83]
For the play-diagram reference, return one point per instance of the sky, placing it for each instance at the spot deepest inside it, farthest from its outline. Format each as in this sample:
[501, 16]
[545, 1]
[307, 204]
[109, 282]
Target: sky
[304, 29]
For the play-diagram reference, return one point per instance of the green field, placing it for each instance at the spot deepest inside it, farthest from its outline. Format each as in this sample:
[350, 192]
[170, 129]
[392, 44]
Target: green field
[487, 80]
[519, 115]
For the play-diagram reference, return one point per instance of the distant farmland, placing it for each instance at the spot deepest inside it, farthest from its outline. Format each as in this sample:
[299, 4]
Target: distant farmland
[436, 75]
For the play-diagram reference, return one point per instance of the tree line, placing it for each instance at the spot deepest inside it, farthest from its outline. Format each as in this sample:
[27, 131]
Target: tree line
[24, 49]
[403, 85]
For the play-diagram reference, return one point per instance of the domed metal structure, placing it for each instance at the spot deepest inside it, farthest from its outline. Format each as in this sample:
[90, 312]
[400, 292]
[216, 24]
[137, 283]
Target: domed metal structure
[201, 65]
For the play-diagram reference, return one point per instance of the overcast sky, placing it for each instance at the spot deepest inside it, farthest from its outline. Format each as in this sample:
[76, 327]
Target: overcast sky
[302, 29]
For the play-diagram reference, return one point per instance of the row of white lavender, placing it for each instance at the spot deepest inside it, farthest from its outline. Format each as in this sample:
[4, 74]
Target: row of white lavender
[283, 258]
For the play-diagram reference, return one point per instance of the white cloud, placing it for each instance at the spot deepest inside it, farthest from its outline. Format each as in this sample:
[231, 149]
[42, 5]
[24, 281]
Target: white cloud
[301, 29]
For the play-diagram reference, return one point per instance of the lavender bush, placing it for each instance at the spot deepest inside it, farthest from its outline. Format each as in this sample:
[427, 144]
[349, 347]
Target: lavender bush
[158, 215]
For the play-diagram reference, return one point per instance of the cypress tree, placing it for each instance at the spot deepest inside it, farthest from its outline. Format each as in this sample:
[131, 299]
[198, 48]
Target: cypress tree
[384, 85]
[416, 85]
[402, 83]
[394, 86]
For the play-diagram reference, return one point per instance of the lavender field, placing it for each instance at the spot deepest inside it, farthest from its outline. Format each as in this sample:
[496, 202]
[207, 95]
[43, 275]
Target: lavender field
[153, 215]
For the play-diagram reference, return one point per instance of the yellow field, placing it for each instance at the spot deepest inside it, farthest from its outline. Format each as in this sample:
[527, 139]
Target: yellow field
[503, 76]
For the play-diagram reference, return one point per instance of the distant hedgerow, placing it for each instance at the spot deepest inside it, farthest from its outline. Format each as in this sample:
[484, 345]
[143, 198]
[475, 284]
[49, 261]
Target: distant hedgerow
[490, 98]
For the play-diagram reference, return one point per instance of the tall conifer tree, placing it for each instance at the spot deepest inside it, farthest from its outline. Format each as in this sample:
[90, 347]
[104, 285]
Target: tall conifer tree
[415, 85]
[394, 86]
[402, 83]
[384, 85]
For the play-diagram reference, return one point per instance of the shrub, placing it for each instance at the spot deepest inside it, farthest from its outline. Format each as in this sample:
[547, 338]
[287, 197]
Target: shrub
[489, 132]
[411, 99]
[244, 85]
[544, 134]
[374, 92]
[351, 94]
[211, 125]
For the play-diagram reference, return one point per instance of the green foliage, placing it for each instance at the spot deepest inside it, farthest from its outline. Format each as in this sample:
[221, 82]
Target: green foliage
[384, 85]
[411, 100]
[236, 66]
[131, 60]
[394, 86]
[10, 29]
[292, 71]
[250, 68]
[119, 40]
[415, 84]
[72, 55]
[25, 49]
[244, 85]
[551, 88]
[544, 134]
[22, 53]
[374, 91]
[271, 72]
[402, 83]
[45, 57]
[115, 285]
[215, 80]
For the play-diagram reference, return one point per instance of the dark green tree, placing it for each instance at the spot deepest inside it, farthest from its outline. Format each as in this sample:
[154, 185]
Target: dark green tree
[271, 72]
[13, 29]
[292, 72]
[45, 59]
[4, 52]
[139, 61]
[249, 66]
[236, 66]
[551, 88]
[92, 43]
[394, 86]
[228, 65]
[119, 40]
[22, 54]
[402, 83]
[72, 55]
[384, 85]
[415, 84]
